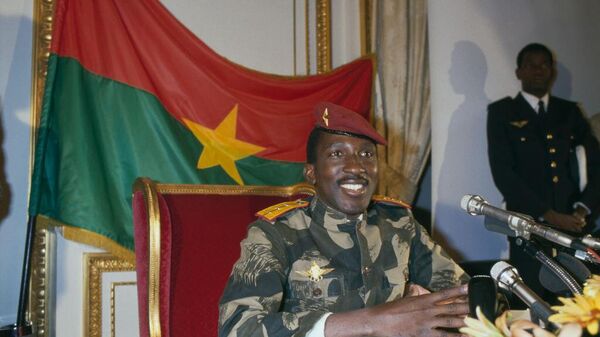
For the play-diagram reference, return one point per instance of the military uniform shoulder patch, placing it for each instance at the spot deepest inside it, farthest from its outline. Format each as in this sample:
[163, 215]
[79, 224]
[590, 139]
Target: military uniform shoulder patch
[382, 199]
[273, 212]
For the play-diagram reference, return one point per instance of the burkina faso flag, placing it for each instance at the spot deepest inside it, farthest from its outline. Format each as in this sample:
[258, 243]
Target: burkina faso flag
[131, 92]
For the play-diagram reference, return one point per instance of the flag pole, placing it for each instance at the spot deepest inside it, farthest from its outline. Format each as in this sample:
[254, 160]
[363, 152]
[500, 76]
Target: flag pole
[22, 327]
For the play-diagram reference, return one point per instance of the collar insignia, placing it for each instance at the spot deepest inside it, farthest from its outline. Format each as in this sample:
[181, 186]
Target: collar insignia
[325, 117]
[315, 273]
[519, 124]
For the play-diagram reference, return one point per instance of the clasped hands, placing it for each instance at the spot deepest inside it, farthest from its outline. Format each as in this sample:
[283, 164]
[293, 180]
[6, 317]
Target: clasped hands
[569, 222]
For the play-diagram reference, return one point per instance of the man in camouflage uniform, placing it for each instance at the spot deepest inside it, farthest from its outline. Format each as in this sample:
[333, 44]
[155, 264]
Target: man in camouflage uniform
[343, 263]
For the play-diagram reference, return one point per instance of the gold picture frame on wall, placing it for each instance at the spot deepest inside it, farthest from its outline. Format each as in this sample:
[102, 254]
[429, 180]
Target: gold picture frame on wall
[95, 265]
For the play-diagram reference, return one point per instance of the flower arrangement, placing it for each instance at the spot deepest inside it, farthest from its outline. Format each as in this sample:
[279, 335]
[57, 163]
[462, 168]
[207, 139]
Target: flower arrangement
[505, 326]
[575, 314]
[582, 309]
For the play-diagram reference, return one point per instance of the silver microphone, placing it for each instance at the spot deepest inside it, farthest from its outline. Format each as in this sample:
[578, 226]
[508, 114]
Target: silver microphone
[519, 224]
[591, 242]
[476, 205]
[508, 278]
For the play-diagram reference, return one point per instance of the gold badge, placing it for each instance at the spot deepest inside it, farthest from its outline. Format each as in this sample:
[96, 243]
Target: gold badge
[325, 117]
[315, 273]
[519, 124]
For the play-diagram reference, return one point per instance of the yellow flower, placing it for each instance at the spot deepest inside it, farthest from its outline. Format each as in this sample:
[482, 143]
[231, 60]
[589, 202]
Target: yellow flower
[505, 326]
[581, 309]
[592, 286]
[502, 323]
[480, 327]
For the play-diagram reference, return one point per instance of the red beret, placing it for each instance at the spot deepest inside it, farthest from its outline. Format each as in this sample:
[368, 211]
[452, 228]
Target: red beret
[337, 118]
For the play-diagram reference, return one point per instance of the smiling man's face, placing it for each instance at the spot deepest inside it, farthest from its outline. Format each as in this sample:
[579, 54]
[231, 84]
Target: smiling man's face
[345, 172]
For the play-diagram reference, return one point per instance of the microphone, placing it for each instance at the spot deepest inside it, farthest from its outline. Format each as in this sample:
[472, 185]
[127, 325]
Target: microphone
[508, 278]
[482, 294]
[519, 224]
[550, 281]
[591, 242]
[553, 266]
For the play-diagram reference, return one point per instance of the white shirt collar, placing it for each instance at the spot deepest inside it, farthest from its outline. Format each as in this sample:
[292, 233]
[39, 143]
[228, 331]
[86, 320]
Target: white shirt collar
[533, 100]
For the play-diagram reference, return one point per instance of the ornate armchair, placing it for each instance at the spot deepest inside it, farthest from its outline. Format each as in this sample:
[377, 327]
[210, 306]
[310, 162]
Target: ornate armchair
[186, 241]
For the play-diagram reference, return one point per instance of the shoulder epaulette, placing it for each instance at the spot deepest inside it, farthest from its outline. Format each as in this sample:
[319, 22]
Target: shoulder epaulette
[273, 212]
[389, 201]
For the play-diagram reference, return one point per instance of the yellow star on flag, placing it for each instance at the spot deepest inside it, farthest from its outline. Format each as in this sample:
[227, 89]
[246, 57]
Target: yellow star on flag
[220, 145]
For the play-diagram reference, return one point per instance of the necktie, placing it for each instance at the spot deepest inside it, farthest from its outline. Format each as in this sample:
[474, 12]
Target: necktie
[541, 109]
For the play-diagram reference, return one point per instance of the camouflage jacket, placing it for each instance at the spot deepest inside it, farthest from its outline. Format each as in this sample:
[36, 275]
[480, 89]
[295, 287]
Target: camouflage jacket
[314, 260]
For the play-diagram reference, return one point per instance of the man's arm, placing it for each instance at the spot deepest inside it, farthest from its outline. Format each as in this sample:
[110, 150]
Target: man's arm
[503, 162]
[511, 185]
[252, 300]
[419, 315]
[590, 196]
[408, 316]
[430, 266]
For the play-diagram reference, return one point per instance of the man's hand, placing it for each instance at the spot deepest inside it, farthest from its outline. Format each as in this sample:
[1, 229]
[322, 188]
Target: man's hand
[580, 213]
[567, 222]
[420, 315]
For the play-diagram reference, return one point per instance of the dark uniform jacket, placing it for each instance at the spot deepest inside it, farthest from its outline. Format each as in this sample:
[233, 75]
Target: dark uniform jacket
[314, 260]
[532, 157]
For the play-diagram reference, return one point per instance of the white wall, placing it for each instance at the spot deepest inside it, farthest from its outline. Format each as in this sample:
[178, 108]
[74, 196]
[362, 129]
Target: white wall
[260, 34]
[256, 34]
[473, 47]
[15, 82]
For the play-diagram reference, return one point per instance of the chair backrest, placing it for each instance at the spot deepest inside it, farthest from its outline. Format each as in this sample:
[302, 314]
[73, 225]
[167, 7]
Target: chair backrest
[186, 240]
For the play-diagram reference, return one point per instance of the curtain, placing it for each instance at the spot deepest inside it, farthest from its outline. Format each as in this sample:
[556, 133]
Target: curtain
[402, 110]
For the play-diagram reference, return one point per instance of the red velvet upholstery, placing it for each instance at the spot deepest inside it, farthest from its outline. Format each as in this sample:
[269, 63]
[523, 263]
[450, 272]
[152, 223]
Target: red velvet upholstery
[140, 235]
[200, 241]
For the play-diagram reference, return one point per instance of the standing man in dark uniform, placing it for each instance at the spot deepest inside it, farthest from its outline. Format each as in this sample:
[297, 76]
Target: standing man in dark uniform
[532, 140]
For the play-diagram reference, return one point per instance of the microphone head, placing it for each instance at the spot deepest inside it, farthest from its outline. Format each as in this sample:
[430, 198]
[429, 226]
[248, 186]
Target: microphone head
[577, 268]
[504, 274]
[472, 204]
[554, 284]
[464, 202]
[482, 294]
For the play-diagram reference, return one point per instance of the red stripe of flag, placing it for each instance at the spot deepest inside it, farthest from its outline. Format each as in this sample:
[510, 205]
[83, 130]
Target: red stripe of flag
[156, 53]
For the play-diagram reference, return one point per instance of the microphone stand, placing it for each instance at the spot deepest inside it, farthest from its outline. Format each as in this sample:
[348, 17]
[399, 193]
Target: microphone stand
[589, 256]
[532, 249]
[23, 328]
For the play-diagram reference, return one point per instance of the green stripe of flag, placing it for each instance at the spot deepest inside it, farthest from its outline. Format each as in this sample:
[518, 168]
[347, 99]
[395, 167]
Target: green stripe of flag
[97, 135]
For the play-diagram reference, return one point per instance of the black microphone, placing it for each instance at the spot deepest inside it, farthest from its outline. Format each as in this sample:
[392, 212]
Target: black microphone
[482, 294]
[508, 278]
[519, 224]
[550, 281]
